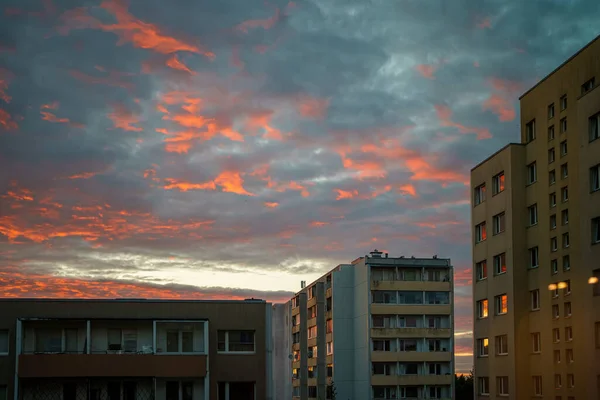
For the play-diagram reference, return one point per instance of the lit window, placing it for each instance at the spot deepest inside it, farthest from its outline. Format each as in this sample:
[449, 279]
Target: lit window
[480, 232]
[500, 264]
[482, 308]
[481, 268]
[501, 304]
[312, 332]
[498, 183]
[483, 347]
[479, 195]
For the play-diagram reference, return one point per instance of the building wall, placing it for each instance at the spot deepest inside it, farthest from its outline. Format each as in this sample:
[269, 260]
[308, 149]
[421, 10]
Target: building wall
[343, 301]
[282, 349]
[362, 345]
[225, 315]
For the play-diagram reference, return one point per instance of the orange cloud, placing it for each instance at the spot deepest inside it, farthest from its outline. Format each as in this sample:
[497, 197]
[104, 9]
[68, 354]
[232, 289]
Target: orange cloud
[17, 284]
[501, 106]
[318, 224]
[124, 119]
[267, 23]
[185, 186]
[5, 77]
[50, 106]
[312, 107]
[6, 121]
[175, 63]
[53, 118]
[445, 116]
[84, 175]
[463, 277]
[262, 120]
[229, 181]
[19, 194]
[271, 204]
[426, 70]
[408, 189]
[345, 194]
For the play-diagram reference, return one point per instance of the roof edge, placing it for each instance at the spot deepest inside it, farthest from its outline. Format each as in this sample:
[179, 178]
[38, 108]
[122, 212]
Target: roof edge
[496, 153]
[559, 67]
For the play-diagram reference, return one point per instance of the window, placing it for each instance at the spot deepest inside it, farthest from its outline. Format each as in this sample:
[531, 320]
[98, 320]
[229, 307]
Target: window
[566, 263]
[551, 111]
[533, 257]
[568, 287]
[533, 215]
[483, 385]
[552, 199]
[312, 312]
[329, 326]
[500, 264]
[564, 170]
[569, 356]
[553, 221]
[498, 183]
[381, 345]
[563, 102]
[534, 295]
[499, 223]
[555, 291]
[178, 340]
[563, 125]
[480, 233]
[567, 309]
[587, 86]
[501, 345]
[481, 269]
[555, 311]
[595, 178]
[530, 130]
[236, 341]
[553, 244]
[595, 230]
[329, 348]
[563, 148]
[570, 380]
[568, 333]
[537, 385]
[312, 332]
[48, 340]
[130, 341]
[564, 194]
[552, 178]
[551, 132]
[114, 339]
[551, 156]
[531, 173]
[408, 345]
[482, 308]
[483, 348]
[501, 304]
[329, 371]
[312, 391]
[556, 356]
[4, 342]
[594, 124]
[565, 240]
[479, 194]
[556, 335]
[554, 266]
[557, 381]
[502, 385]
[536, 342]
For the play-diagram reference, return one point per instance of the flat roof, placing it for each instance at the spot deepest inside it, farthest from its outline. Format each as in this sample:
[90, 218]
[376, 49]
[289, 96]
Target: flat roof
[560, 66]
[123, 300]
[496, 153]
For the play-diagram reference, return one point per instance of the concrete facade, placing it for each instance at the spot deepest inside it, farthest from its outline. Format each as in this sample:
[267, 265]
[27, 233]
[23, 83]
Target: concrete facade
[546, 342]
[385, 331]
[142, 349]
[282, 344]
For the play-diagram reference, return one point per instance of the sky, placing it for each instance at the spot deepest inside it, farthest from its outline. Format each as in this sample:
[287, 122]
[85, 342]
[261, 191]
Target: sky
[231, 149]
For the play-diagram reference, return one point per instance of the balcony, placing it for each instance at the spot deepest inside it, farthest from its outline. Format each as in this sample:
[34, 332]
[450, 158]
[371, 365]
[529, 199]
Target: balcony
[433, 286]
[409, 333]
[411, 356]
[411, 309]
[117, 348]
[411, 380]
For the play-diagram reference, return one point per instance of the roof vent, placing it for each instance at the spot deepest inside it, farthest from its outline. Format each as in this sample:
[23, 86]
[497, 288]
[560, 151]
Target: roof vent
[376, 254]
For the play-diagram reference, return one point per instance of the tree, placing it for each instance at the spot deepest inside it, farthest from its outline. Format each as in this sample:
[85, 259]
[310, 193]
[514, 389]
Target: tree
[331, 391]
[463, 386]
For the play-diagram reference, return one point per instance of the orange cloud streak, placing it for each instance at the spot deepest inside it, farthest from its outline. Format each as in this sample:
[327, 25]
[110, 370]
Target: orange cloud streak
[6, 121]
[5, 77]
[229, 181]
[426, 70]
[258, 23]
[271, 204]
[345, 194]
[445, 116]
[174, 63]
[124, 119]
[318, 224]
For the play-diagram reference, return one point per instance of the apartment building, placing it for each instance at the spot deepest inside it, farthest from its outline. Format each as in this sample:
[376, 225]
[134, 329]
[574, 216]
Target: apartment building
[135, 349]
[536, 244]
[377, 328]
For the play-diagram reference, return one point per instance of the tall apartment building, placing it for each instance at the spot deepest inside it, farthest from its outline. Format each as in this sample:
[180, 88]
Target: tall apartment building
[536, 232]
[135, 350]
[378, 328]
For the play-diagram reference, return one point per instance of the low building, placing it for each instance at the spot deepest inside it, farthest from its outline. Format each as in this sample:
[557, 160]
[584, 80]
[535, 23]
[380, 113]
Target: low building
[377, 328]
[135, 349]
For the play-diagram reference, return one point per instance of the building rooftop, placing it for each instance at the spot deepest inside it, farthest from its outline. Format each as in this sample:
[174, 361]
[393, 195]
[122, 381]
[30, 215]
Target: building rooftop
[125, 300]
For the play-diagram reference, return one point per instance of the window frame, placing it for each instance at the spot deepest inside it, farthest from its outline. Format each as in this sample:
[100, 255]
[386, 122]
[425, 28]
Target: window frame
[498, 183]
[534, 251]
[227, 343]
[532, 214]
[499, 304]
[534, 298]
[531, 173]
[595, 230]
[595, 178]
[536, 343]
[594, 134]
[482, 349]
[483, 312]
[480, 232]
[530, 131]
[502, 386]
[481, 265]
[502, 263]
[5, 337]
[479, 194]
[499, 223]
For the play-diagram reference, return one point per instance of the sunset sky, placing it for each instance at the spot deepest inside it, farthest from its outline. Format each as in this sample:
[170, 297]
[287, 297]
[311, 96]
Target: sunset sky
[230, 149]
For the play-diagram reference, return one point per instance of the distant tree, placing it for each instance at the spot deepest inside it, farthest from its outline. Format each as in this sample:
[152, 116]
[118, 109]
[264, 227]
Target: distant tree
[463, 386]
[331, 391]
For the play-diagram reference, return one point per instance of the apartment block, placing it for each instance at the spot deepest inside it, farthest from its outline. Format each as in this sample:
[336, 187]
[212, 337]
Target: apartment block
[135, 349]
[377, 328]
[536, 244]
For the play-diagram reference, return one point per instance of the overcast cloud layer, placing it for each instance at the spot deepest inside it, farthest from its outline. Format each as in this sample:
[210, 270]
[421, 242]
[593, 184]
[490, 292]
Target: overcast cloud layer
[231, 148]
